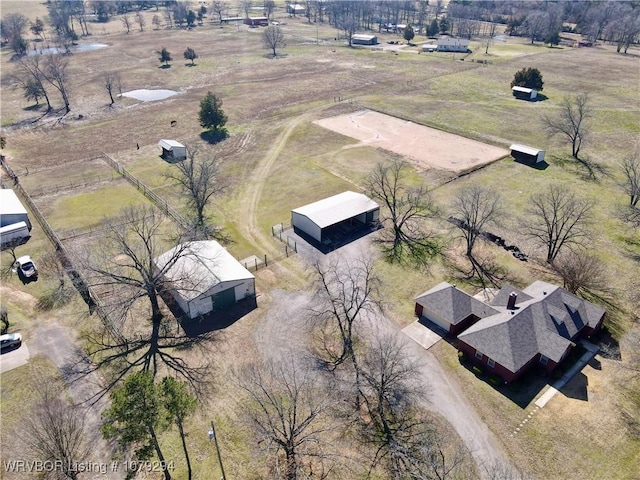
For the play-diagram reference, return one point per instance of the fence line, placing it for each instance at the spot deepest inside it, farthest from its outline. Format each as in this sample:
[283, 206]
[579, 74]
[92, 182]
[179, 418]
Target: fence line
[87, 292]
[40, 191]
[147, 192]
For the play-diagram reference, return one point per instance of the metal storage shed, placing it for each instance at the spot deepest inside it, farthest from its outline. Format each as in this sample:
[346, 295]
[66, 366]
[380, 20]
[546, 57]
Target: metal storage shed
[363, 39]
[526, 154]
[524, 93]
[318, 220]
[11, 209]
[172, 150]
[206, 277]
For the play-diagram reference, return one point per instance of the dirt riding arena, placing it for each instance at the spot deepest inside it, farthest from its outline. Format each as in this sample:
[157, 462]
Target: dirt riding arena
[427, 147]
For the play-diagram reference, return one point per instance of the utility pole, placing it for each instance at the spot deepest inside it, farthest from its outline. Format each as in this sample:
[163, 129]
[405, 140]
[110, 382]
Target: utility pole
[214, 437]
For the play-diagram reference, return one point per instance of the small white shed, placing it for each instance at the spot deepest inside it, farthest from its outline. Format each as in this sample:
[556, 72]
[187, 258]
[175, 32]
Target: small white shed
[526, 154]
[172, 150]
[524, 93]
[11, 209]
[205, 277]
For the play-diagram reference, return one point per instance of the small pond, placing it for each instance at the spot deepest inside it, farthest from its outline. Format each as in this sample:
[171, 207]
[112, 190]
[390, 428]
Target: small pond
[149, 95]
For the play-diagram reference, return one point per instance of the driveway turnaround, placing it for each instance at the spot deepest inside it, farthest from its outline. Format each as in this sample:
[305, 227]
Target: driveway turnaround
[14, 359]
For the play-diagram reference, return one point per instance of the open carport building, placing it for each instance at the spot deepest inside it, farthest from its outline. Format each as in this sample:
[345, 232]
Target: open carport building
[202, 277]
[172, 150]
[333, 218]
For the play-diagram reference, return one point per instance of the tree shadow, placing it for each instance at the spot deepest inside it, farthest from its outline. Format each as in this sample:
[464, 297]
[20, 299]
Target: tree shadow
[214, 136]
[35, 107]
[164, 67]
[190, 65]
[541, 97]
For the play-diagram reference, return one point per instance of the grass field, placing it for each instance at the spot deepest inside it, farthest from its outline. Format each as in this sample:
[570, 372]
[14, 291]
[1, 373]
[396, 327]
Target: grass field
[276, 159]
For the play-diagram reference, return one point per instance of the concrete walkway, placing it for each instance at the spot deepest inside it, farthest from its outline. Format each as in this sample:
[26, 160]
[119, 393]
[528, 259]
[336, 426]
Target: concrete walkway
[14, 359]
[591, 352]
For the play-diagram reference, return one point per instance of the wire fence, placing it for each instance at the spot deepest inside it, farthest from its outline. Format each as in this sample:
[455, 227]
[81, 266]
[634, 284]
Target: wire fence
[86, 291]
[71, 185]
[147, 192]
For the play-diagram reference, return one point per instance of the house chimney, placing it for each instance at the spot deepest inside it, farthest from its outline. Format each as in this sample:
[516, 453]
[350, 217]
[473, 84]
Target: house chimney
[511, 303]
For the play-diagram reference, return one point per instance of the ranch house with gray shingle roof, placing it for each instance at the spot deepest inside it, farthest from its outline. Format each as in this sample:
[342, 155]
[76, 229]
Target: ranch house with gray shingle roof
[537, 326]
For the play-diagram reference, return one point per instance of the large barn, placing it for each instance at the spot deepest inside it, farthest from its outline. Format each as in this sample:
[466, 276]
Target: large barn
[205, 277]
[11, 209]
[326, 220]
[363, 39]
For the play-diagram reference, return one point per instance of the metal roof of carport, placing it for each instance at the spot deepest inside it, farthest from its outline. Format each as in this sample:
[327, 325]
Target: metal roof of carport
[338, 208]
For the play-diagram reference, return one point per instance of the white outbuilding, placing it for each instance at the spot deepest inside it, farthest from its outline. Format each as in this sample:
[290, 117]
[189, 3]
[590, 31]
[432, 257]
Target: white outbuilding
[11, 209]
[335, 215]
[172, 150]
[205, 277]
[524, 93]
[526, 154]
[451, 44]
[363, 39]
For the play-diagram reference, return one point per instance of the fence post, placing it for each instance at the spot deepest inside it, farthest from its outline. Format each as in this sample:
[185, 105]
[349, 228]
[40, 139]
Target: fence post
[256, 261]
[286, 250]
[273, 234]
[295, 246]
[265, 260]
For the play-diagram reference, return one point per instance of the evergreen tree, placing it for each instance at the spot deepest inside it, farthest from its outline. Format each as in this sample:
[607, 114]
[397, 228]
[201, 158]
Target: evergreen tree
[528, 78]
[408, 33]
[211, 115]
[165, 56]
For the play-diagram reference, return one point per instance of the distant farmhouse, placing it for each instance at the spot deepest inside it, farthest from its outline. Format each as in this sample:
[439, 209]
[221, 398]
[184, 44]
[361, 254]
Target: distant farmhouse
[206, 278]
[363, 39]
[256, 21]
[295, 9]
[450, 44]
[517, 330]
[330, 220]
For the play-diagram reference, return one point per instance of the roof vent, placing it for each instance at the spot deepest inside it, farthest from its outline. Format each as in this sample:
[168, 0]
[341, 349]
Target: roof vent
[544, 293]
[511, 303]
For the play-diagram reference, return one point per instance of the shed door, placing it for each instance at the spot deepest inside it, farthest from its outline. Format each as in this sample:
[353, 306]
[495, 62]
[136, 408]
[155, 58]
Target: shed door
[223, 299]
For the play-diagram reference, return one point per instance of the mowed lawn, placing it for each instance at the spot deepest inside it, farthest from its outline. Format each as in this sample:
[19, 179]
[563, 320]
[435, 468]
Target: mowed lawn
[261, 95]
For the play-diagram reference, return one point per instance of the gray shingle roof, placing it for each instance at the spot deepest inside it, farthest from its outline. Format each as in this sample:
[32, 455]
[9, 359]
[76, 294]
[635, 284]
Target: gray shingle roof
[453, 304]
[546, 323]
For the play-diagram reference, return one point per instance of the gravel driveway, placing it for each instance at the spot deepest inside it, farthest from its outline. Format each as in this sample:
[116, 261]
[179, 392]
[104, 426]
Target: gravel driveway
[283, 330]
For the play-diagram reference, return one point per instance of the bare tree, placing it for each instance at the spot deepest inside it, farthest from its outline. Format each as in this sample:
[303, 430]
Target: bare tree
[156, 21]
[400, 434]
[558, 219]
[286, 406]
[127, 267]
[475, 207]
[126, 22]
[140, 21]
[199, 180]
[55, 72]
[536, 25]
[580, 271]
[346, 291]
[219, 8]
[56, 432]
[62, 292]
[112, 82]
[631, 184]
[273, 38]
[570, 123]
[407, 208]
[31, 70]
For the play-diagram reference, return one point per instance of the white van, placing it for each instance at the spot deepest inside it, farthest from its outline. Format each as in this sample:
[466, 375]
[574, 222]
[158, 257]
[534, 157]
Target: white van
[14, 234]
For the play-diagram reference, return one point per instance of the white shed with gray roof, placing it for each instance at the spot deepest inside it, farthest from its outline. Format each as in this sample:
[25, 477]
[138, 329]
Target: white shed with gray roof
[316, 218]
[172, 150]
[205, 277]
